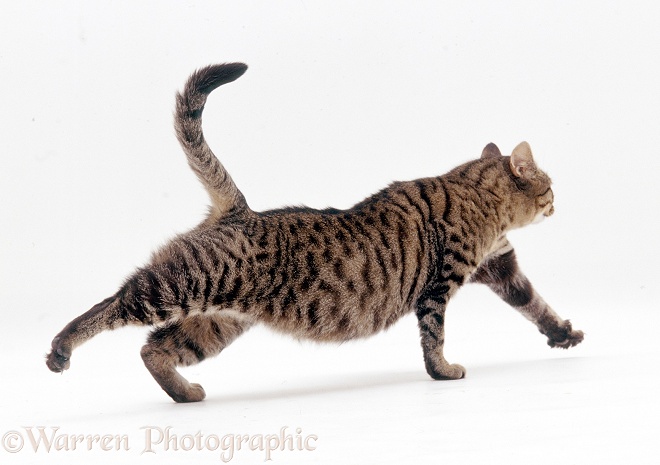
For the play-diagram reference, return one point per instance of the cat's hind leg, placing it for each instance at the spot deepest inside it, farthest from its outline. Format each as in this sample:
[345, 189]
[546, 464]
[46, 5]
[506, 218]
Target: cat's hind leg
[100, 317]
[500, 272]
[149, 297]
[187, 342]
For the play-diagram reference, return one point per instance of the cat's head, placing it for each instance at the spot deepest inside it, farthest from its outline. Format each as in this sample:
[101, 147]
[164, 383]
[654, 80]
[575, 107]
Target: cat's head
[531, 193]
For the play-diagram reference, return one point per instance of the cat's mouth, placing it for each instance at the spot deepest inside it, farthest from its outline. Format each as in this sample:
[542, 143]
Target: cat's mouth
[539, 218]
[543, 214]
[549, 211]
[546, 209]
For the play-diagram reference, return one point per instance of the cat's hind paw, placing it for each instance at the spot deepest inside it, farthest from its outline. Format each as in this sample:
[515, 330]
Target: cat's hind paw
[59, 357]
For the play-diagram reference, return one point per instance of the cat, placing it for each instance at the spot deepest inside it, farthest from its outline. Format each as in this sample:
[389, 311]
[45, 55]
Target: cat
[325, 275]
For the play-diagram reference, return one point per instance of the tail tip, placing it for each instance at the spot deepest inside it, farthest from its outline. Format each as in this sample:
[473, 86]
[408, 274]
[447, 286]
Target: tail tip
[210, 77]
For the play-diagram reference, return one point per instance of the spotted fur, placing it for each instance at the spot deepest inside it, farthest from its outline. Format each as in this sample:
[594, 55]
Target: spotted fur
[324, 275]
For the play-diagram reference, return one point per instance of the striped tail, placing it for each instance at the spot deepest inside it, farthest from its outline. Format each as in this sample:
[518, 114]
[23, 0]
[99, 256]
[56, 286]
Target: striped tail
[225, 197]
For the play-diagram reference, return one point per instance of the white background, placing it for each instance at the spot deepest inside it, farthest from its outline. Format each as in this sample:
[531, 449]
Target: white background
[341, 98]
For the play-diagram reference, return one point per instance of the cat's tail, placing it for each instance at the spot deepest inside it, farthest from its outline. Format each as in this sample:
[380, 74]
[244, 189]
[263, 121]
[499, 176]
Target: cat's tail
[225, 197]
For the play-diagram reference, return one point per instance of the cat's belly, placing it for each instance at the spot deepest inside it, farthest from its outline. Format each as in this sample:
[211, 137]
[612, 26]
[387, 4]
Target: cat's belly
[331, 320]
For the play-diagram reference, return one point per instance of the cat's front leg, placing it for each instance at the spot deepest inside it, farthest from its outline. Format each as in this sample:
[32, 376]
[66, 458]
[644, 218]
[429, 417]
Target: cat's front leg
[430, 314]
[500, 272]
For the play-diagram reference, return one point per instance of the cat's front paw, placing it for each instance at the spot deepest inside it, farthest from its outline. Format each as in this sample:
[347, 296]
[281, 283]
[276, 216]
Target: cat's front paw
[446, 372]
[567, 337]
[59, 357]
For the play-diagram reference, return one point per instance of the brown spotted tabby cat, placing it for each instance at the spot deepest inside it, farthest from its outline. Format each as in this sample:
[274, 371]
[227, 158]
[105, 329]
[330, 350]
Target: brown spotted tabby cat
[325, 275]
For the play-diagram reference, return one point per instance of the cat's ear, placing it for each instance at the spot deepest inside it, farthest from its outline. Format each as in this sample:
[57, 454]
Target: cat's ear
[491, 151]
[522, 162]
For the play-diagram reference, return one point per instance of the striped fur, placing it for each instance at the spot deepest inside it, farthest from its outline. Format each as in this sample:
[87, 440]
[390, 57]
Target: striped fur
[325, 275]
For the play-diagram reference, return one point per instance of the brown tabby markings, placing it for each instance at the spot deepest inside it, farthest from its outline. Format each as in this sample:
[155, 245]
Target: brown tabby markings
[325, 275]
